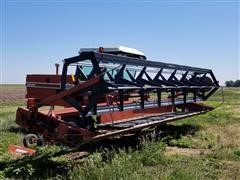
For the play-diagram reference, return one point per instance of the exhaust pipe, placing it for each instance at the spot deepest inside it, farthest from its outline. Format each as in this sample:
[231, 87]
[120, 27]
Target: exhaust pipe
[57, 67]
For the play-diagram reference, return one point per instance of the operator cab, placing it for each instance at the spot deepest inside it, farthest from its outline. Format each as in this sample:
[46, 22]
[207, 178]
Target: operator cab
[120, 51]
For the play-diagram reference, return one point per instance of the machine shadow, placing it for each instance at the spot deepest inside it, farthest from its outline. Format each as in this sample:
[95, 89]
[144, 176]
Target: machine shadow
[16, 130]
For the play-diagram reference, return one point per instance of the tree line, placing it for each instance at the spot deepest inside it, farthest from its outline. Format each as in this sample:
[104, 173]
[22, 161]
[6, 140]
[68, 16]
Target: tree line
[232, 83]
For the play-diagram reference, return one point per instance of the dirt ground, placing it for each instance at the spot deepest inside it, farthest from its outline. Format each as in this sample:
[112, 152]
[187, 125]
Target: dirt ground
[12, 93]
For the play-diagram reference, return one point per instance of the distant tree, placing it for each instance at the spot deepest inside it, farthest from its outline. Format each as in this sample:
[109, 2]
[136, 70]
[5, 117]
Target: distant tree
[229, 83]
[236, 83]
[232, 83]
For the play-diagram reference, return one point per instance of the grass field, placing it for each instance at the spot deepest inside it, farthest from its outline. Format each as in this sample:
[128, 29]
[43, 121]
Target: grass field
[201, 147]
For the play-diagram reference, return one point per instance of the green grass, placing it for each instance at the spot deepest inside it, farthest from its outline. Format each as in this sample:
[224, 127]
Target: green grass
[217, 131]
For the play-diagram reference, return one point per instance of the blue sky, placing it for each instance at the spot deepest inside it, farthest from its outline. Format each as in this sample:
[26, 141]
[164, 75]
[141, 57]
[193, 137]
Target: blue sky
[35, 35]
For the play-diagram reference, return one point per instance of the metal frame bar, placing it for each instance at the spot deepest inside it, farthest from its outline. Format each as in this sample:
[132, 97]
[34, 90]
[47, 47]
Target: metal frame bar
[101, 62]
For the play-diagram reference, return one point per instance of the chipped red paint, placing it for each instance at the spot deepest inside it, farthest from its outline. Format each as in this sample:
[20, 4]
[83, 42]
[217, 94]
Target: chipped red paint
[19, 150]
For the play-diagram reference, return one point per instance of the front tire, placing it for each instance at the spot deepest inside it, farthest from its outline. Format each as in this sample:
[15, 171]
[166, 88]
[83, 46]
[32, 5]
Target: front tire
[30, 140]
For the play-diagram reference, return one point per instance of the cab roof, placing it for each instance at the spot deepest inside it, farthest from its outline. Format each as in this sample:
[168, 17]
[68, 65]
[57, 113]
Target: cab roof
[114, 49]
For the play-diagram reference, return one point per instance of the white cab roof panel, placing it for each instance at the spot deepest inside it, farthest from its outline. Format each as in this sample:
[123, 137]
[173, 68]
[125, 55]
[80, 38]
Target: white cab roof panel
[115, 49]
